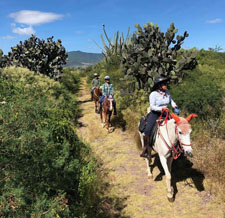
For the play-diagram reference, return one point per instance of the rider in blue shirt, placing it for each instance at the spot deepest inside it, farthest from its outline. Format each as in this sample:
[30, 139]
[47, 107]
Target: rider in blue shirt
[107, 89]
[159, 99]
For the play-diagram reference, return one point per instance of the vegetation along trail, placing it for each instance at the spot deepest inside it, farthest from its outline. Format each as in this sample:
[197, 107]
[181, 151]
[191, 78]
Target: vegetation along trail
[127, 178]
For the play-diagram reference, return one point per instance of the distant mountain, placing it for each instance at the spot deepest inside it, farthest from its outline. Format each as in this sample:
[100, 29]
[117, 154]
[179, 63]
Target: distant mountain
[82, 59]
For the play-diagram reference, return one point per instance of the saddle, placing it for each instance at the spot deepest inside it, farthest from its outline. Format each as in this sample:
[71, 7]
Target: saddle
[142, 126]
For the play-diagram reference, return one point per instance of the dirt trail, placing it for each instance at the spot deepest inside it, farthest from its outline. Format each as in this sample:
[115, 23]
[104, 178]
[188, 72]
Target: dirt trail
[142, 197]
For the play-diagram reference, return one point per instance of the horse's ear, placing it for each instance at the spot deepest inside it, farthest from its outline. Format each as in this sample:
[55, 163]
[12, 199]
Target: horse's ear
[175, 117]
[191, 116]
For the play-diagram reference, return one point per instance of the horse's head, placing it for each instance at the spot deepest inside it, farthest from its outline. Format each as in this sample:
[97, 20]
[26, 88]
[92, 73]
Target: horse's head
[183, 131]
[110, 100]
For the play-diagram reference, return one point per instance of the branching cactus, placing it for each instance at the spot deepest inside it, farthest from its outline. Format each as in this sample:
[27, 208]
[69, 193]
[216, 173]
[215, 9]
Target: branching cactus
[42, 57]
[152, 53]
[113, 47]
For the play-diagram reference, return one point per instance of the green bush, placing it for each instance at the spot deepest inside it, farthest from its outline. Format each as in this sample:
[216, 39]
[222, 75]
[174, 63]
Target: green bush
[199, 94]
[46, 170]
[71, 80]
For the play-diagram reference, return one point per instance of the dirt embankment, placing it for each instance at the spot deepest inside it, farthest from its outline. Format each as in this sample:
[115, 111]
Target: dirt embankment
[127, 178]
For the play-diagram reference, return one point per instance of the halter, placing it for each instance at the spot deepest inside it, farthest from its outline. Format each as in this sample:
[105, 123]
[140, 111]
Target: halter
[176, 152]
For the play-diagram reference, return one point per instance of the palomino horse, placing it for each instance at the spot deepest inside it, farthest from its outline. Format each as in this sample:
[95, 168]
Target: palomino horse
[96, 97]
[107, 107]
[173, 137]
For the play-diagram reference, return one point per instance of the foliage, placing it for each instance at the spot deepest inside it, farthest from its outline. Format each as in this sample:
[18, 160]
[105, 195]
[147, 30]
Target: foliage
[71, 80]
[152, 53]
[46, 170]
[42, 57]
[199, 94]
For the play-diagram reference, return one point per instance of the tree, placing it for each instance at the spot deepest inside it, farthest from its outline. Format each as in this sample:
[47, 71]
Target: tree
[42, 57]
[217, 48]
[152, 53]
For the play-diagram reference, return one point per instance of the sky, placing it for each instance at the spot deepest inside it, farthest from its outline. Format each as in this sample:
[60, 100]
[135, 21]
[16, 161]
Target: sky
[78, 23]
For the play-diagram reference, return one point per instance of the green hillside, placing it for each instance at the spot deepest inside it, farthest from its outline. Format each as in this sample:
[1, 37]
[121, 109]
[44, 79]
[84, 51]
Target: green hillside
[82, 59]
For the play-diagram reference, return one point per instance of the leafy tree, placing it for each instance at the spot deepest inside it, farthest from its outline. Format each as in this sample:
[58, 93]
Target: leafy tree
[42, 57]
[151, 53]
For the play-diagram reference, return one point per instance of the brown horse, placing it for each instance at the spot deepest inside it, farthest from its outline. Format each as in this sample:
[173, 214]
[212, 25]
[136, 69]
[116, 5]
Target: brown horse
[96, 97]
[107, 107]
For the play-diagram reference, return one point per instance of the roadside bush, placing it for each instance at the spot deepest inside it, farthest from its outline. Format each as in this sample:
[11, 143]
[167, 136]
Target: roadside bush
[71, 80]
[46, 170]
[199, 94]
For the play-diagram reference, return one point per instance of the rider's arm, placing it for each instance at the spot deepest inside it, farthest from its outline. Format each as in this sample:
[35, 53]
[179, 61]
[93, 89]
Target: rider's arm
[173, 104]
[98, 85]
[103, 90]
[92, 83]
[152, 99]
[111, 90]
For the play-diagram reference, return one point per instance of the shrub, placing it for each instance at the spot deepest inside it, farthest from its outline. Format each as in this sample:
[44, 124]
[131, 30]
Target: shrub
[46, 169]
[71, 80]
[199, 94]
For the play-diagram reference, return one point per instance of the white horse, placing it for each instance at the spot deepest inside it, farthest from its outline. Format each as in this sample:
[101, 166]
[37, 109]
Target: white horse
[168, 135]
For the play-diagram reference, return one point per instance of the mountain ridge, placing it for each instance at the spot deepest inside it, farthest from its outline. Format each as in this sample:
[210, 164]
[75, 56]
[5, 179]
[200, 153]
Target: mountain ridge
[82, 59]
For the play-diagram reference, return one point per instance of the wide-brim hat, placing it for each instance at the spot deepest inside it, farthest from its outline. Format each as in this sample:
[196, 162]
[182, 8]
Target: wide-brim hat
[159, 80]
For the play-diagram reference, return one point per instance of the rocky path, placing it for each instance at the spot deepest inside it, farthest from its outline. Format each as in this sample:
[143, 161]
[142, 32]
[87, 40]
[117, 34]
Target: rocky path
[126, 174]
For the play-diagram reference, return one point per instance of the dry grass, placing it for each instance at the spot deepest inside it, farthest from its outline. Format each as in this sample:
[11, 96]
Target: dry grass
[129, 193]
[210, 158]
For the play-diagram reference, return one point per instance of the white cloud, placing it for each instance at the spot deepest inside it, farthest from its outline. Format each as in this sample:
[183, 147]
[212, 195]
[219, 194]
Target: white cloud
[33, 18]
[24, 31]
[8, 37]
[217, 20]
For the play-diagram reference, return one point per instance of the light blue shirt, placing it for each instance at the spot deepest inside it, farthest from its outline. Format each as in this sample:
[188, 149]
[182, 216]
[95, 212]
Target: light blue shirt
[159, 99]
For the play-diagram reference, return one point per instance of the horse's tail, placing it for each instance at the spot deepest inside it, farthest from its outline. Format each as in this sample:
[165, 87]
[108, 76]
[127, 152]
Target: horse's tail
[137, 138]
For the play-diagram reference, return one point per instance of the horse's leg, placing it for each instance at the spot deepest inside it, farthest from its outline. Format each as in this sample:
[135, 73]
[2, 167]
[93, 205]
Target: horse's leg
[148, 162]
[163, 161]
[95, 105]
[106, 121]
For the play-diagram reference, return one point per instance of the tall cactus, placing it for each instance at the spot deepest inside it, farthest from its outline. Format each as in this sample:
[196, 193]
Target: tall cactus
[152, 53]
[113, 47]
[42, 57]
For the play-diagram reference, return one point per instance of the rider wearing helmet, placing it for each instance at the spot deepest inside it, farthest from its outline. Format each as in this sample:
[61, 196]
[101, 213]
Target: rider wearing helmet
[159, 100]
[95, 83]
[107, 89]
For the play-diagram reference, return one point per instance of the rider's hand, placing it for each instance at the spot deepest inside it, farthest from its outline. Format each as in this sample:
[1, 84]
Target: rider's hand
[165, 109]
[176, 111]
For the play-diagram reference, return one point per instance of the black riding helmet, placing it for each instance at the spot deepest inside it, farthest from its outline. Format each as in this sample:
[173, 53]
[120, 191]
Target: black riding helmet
[158, 81]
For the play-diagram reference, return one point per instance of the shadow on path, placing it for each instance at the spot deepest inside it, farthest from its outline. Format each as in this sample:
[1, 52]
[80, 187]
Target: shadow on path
[181, 171]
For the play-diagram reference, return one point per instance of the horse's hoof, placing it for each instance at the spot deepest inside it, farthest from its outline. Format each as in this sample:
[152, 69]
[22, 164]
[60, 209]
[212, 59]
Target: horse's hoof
[171, 199]
[150, 177]
[103, 125]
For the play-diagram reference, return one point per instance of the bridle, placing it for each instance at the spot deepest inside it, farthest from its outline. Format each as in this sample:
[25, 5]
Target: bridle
[175, 149]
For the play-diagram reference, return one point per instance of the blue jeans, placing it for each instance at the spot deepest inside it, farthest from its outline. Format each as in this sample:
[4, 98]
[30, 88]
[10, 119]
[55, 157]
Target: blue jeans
[102, 98]
[151, 121]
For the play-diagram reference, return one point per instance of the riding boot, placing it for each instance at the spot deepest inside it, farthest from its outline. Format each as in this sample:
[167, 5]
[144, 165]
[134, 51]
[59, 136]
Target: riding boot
[100, 107]
[114, 110]
[146, 145]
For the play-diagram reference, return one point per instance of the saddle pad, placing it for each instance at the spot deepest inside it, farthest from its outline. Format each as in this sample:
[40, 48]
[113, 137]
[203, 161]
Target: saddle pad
[143, 123]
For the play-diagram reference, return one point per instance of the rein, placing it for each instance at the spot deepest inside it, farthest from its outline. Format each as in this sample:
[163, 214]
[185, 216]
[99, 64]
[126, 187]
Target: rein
[176, 152]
